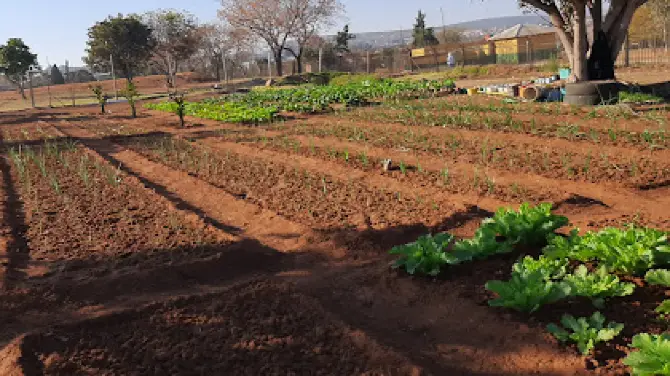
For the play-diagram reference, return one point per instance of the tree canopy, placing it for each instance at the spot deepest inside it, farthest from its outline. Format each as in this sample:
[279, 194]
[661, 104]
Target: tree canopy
[276, 21]
[126, 39]
[423, 36]
[343, 38]
[16, 60]
[56, 76]
[177, 39]
[608, 27]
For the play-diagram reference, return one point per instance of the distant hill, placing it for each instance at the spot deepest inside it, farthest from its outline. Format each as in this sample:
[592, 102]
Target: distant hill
[499, 22]
[472, 30]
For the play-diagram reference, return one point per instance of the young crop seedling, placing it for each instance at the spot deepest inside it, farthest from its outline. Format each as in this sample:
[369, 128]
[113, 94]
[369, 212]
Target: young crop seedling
[550, 269]
[598, 285]
[652, 357]
[630, 251]
[586, 332]
[527, 292]
[658, 277]
[663, 310]
[425, 256]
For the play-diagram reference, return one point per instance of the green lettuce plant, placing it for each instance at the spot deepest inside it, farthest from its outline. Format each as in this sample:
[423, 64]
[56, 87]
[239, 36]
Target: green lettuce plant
[663, 309]
[652, 357]
[598, 285]
[629, 251]
[550, 269]
[658, 277]
[528, 226]
[527, 292]
[425, 256]
[586, 332]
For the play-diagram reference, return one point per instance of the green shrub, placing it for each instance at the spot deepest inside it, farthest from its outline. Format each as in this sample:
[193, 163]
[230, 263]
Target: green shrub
[586, 332]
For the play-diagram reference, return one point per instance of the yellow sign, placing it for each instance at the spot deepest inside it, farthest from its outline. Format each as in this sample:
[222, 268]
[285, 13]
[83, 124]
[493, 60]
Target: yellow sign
[419, 52]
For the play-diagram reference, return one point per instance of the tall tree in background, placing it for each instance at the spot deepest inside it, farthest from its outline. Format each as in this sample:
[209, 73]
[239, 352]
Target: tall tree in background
[15, 61]
[448, 36]
[423, 36]
[177, 39]
[273, 21]
[608, 27]
[56, 76]
[660, 9]
[342, 39]
[126, 39]
[315, 16]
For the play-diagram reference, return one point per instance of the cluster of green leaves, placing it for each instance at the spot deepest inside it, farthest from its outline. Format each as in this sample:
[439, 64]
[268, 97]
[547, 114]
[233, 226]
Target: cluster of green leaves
[311, 99]
[527, 291]
[597, 285]
[499, 234]
[425, 256]
[629, 251]
[652, 357]
[658, 277]
[228, 112]
[585, 331]
[528, 226]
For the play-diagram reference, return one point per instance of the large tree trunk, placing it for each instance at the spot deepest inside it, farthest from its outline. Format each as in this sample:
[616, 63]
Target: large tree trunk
[278, 63]
[298, 61]
[580, 43]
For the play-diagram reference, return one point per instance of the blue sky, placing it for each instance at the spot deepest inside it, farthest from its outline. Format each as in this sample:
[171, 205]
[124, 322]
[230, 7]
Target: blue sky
[57, 30]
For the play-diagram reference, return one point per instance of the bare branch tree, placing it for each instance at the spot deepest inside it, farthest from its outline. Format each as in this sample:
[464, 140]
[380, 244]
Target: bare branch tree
[315, 16]
[276, 21]
[176, 40]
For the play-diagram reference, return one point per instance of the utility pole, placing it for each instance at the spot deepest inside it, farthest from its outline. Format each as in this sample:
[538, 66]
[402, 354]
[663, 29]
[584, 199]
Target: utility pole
[116, 91]
[49, 81]
[444, 31]
[367, 60]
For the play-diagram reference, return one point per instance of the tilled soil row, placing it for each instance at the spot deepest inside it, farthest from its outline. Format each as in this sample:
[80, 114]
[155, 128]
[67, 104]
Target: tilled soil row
[535, 126]
[556, 160]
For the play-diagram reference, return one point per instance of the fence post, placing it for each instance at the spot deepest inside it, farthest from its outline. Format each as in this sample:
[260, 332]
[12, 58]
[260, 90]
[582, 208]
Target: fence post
[626, 54]
[320, 58]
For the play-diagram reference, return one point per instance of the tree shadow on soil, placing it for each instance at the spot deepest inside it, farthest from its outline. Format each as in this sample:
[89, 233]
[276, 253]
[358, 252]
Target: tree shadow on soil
[17, 247]
[106, 150]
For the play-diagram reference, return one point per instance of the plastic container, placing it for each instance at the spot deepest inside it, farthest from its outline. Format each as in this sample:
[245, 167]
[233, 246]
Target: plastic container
[564, 73]
[473, 91]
